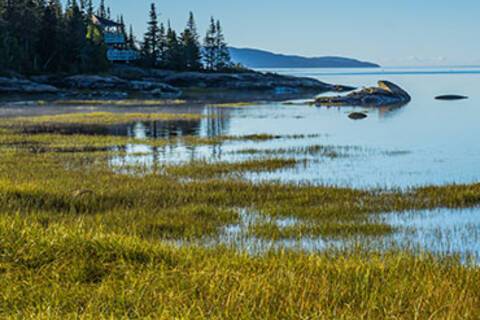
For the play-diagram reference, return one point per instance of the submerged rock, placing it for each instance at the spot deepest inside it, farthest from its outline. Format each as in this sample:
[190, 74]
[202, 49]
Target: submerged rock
[357, 115]
[451, 97]
[387, 93]
[24, 86]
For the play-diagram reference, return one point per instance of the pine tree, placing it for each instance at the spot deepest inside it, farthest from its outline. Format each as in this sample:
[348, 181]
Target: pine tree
[192, 57]
[150, 40]
[131, 39]
[48, 41]
[222, 54]
[90, 9]
[3, 36]
[123, 29]
[174, 54]
[209, 46]
[76, 42]
[162, 46]
[102, 11]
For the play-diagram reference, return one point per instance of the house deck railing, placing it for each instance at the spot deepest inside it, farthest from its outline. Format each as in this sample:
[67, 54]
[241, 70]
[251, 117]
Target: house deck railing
[122, 55]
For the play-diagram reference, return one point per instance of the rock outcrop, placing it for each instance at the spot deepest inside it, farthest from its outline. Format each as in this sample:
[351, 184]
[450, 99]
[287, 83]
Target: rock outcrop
[240, 81]
[111, 86]
[386, 94]
[125, 81]
[357, 115]
[451, 97]
[24, 86]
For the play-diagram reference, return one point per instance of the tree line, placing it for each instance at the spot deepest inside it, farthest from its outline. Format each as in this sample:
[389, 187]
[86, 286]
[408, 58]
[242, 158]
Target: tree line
[38, 36]
[163, 48]
[42, 36]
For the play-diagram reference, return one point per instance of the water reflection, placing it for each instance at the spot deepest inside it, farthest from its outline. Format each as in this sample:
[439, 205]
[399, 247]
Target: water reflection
[443, 231]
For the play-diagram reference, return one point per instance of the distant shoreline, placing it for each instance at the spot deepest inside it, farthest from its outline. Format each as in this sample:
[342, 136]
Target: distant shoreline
[256, 58]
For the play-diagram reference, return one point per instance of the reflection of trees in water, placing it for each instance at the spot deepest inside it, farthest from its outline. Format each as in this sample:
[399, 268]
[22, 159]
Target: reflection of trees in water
[214, 123]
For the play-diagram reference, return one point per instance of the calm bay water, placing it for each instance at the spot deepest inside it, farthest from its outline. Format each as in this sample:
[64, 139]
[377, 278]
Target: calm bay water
[425, 142]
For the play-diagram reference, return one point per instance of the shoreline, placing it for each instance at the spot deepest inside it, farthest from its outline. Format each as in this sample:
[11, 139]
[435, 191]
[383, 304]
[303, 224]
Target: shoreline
[127, 83]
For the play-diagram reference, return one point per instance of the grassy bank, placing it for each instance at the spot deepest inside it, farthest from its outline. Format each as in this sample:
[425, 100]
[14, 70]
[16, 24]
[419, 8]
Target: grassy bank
[79, 238]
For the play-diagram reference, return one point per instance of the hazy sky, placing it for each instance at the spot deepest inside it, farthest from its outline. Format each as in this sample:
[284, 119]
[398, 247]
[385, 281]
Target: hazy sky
[392, 33]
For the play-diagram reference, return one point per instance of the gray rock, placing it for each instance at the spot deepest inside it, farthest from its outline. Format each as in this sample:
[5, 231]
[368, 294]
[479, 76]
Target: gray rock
[249, 81]
[113, 86]
[24, 86]
[385, 94]
[241, 81]
[156, 89]
[94, 82]
[451, 97]
[357, 115]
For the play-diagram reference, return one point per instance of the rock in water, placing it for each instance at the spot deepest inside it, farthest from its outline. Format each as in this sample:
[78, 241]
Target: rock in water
[357, 115]
[386, 94]
[451, 97]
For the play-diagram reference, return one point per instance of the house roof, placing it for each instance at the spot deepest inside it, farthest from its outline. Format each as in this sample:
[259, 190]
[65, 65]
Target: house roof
[104, 22]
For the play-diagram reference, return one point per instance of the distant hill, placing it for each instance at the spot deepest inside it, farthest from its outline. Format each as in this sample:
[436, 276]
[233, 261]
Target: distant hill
[254, 58]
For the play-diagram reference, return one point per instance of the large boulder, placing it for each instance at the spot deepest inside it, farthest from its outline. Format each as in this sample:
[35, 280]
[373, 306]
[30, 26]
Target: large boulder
[386, 94]
[24, 86]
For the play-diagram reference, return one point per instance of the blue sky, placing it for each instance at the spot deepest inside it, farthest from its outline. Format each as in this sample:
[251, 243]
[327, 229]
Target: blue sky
[392, 33]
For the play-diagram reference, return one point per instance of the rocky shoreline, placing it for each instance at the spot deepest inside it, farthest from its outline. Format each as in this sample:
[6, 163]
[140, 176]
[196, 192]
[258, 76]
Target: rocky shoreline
[385, 94]
[124, 82]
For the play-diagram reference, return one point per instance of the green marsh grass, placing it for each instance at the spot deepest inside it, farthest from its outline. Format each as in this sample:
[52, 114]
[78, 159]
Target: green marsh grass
[79, 240]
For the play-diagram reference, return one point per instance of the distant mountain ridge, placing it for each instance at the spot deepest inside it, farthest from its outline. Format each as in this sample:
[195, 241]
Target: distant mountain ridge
[255, 58]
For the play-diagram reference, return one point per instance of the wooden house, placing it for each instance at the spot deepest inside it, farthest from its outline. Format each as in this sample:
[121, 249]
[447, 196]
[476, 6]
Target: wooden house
[115, 40]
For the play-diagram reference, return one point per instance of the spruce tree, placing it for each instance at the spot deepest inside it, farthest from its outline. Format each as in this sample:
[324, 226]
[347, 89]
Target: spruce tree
[192, 57]
[3, 37]
[174, 53]
[131, 39]
[162, 46]
[76, 42]
[90, 9]
[102, 11]
[209, 46]
[48, 42]
[150, 40]
[222, 54]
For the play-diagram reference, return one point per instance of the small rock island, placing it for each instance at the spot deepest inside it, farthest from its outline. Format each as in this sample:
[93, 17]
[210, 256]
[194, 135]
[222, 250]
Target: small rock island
[386, 94]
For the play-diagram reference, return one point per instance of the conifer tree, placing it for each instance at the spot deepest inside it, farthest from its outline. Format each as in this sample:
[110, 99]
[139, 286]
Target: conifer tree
[174, 55]
[192, 57]
[222, 54]
[48, 41]
[89, 9]
[76, 42]
[131, 39]
[150, 40]
[209, 46]
[162, 46]
[102, 11]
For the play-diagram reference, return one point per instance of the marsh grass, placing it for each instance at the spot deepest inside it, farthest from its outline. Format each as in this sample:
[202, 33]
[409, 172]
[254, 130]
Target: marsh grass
[204, 169]
[313, 150]
[79, 240]
[125, 102]
[331, 230]
[99, 118]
